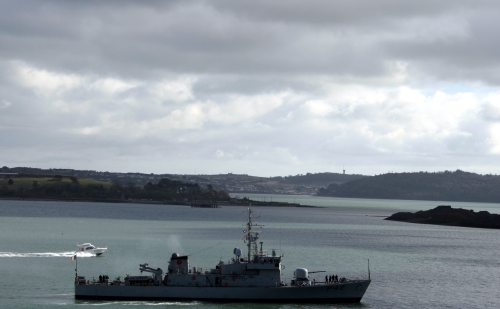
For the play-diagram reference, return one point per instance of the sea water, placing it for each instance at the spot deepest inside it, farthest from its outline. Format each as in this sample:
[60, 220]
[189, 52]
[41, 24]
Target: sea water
[411, 265]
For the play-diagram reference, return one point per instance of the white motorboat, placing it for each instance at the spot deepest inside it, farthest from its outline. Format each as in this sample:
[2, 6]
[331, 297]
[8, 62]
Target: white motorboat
[90, 248]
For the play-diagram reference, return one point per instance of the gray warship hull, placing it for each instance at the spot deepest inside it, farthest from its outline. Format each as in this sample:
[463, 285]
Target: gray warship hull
[316, 293]
[254, 278]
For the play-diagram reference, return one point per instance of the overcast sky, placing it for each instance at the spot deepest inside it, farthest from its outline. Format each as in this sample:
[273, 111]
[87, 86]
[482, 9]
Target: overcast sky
[266, 88]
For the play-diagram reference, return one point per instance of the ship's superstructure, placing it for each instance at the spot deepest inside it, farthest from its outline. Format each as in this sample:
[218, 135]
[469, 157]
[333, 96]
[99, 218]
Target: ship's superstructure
[254, 277]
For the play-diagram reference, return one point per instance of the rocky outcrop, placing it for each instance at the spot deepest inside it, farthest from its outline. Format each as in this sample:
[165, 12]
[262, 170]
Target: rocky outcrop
[446, 215]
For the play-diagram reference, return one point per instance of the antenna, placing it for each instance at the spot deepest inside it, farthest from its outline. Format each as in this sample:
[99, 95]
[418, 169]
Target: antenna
[369, 269]
[281, 252]
[252, 237]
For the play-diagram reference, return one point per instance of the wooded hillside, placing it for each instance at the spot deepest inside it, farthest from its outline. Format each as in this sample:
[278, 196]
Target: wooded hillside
[439, 186]
[70, 187]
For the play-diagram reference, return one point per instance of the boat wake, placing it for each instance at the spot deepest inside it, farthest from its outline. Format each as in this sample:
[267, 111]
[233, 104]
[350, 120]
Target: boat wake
[140, 303]
[67, 254]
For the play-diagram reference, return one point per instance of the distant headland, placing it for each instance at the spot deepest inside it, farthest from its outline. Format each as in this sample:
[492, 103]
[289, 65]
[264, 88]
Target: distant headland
[446, 215]
[166, 191]
[436, 186]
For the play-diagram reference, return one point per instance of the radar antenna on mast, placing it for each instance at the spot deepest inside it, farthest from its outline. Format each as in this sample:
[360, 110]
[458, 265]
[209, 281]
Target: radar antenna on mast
[252, 237]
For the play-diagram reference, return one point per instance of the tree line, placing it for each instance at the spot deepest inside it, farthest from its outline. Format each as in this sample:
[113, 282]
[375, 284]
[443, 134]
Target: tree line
[164, 190]
[316, 178]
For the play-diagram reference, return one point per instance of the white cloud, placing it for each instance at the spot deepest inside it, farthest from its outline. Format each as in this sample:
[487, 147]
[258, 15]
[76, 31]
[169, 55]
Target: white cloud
[46, 82]
[5, 104]
[235, 110]
[190, 117]
[71, 107]
[179, 90]
[89, 130]
[240, 108]
[319, 108]
[112, 86]
[495, 138]
[219, 154]
[491, 108]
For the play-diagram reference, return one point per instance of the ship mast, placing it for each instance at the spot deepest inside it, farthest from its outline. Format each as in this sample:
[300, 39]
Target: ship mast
[251, 237]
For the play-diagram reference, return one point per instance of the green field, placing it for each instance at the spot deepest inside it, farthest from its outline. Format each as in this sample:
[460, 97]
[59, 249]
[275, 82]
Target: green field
[28, 181]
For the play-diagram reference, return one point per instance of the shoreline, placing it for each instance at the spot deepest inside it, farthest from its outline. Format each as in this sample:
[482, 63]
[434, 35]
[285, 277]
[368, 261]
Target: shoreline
[173, 203]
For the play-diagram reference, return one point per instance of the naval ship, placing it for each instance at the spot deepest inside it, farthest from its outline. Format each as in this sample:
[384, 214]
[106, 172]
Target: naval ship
[256, 277]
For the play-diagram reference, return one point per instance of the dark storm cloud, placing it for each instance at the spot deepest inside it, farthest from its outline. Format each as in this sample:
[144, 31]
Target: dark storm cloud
[133, 38]
[200, 36]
